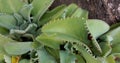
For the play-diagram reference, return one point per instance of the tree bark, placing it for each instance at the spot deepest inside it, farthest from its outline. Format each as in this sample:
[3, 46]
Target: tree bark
[107, 10]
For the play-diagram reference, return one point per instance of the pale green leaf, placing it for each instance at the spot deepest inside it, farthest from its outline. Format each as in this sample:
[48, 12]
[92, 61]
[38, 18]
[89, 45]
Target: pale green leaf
[7, 21]
[45, 57]
[17, 48]
[10, 6]
[67, 57]
[39, 8]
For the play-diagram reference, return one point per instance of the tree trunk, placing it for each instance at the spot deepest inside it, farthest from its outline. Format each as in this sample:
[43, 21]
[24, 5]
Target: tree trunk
[107, 10]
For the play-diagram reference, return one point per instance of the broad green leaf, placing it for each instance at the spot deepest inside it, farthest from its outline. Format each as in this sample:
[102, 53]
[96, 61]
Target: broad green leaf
[87, 56]
[3, 40]
[65, 26]
[115, 34]
[17, 48]
[97, 27]
[25, 11]
[18, 18]
[7, 21]
[67, 57]
[45, 57]
[116, 48]
[39, 8]
[66, 12]
[49, 40]
[106, 48]
[55, 54]
[79, 59]
[110, 59]
[49, 14]
[24, 61]
[3, 31]
[114, 26]
[61, 11]
[79, 13]
[10, 6]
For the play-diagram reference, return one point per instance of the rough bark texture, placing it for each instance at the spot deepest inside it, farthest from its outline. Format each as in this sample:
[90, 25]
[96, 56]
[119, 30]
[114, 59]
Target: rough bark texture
[107, 10]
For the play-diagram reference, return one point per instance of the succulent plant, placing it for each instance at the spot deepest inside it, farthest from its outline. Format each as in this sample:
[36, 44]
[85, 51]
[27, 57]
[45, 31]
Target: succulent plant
[31, 33]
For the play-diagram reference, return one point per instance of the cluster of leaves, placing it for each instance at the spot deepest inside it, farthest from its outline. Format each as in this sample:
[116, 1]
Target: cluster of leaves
[31, 33]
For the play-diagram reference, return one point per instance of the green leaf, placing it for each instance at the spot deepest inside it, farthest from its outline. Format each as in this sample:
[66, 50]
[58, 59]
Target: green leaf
[65, 12]
[96, 28]
[114, 26]
[55, 54]
[65, 27]
[4, 31]
[45, 57]
[115, 34]
[18, 18]
[79, 13]
[49, 40]
[87, 56]
[24, 61]
[17, 48]
[67, 57]
[3, 40]
[110, 59]
[49, 14]
[106, 48]
[116, 48]
[25, 11]
[79, 59]
[39, 8]
[10, 6]
[7, 21]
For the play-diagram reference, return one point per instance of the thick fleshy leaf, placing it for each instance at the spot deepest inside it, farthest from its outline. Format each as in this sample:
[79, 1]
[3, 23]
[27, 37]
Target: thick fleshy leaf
[25, 11]
[3, 40]
[110, 59]
[48, 15]
[55, 54]
[17, 48]
[116, 48]
[106, 48]
[39, 8]
[49, 40]
[86, 55]
[67, 57]
[7, 21]
[79, 59]
[115, 43]
[114, 26]
[4, 31]
[45, 57]
[66, 12]
[65, 27]
[19, 19]
[24, 61]
[97, 27]
[115, 34]
[10, 6]
[79, 13]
